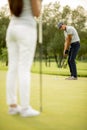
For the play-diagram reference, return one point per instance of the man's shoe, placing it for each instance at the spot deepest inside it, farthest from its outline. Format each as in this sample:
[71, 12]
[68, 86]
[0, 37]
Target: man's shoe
[14, 110]
[29, 112]
[71, 78]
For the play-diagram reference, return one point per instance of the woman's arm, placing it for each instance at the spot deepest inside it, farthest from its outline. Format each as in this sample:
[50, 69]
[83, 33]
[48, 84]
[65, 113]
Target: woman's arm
[36, 7]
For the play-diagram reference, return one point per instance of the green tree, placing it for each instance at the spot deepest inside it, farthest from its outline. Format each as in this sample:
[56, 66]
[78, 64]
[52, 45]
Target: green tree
[79, 18]
[66, 14]
[4, 21]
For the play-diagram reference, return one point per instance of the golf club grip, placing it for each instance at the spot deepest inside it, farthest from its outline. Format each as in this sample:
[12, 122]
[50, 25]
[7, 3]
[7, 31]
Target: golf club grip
[40, 28]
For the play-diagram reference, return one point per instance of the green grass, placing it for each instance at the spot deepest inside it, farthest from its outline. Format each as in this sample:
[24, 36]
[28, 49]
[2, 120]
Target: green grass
[64, 105]
[54, 70]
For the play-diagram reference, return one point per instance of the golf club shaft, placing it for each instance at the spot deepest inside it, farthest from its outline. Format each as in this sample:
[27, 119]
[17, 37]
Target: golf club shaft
[40, 42]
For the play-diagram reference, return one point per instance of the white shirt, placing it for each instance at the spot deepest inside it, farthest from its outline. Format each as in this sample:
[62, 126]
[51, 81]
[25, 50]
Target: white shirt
[26, 16]
[72, 31]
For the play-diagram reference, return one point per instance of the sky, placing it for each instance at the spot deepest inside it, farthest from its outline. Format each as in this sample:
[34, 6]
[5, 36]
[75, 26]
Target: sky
[71, 3]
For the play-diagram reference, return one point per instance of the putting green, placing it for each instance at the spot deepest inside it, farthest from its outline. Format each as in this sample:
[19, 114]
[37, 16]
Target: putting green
[64, 105]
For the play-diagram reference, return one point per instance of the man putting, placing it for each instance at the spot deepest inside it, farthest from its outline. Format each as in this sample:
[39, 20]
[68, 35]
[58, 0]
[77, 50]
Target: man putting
[71, 47]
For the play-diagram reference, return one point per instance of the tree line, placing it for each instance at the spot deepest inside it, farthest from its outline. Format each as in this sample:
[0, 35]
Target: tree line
[53, 39]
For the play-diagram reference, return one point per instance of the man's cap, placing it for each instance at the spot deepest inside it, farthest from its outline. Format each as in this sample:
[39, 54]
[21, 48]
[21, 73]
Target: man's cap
[60, 25]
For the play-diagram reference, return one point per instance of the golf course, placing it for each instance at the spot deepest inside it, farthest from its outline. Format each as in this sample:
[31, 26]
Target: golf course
[64, 104]
[60, 30]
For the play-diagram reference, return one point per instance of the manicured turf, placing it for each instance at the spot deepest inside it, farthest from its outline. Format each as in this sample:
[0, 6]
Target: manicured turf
[54, 70]
[64, 105]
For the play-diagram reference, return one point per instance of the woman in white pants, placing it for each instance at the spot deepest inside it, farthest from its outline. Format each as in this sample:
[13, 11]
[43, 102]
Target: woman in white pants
[21, 43]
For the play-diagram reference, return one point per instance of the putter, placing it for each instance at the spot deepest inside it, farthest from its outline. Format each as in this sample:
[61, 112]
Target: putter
[64, 62]
[40, 55]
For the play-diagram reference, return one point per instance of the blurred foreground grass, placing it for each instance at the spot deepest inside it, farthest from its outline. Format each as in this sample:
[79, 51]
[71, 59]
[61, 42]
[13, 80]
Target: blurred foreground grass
[64, 105]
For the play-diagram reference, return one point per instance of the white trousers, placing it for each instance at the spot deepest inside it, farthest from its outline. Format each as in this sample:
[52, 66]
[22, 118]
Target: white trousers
[21, 44]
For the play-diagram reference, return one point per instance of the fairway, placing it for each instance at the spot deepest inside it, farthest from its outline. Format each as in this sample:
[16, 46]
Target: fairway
[64, 105]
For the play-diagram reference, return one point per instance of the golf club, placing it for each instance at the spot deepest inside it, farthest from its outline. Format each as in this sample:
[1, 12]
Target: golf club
[40, 55]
